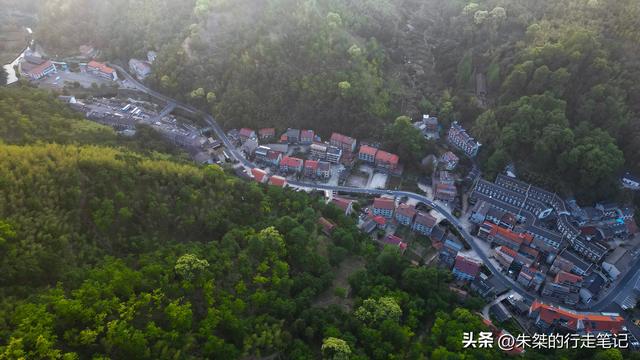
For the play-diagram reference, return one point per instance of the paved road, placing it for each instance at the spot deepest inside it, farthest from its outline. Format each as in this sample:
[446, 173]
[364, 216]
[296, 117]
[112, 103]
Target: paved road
[606, 301]
[237, 155]
[507, 282]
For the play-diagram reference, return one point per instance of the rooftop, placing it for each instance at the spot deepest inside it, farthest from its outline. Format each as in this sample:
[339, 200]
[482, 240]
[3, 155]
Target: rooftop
[384, 203]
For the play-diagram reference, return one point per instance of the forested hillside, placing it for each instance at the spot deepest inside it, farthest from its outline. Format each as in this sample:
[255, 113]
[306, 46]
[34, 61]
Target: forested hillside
[536, 81]
[106, 253]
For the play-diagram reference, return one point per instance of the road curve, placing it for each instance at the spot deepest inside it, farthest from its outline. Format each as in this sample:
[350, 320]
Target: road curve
[237, 155]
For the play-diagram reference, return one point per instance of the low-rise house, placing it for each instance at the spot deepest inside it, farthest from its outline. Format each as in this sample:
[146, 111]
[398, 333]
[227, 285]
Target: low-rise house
[394, 241]
[444, 187]
[310, 168]
[549, 318]
[573, 282]
[445, 192]
[501, 236]
[291, 164]
[102, 70]
[293, 136]
[505, 256]
[465, 268]
[267, 133]
[343, 142]
[380, 221]
[246, 134]
[459, 138]
[277, 181]
[35, 68]
[140, 68]
[368, 226]
[259, 175]
[450, 160]
[324, 170]
[345, 204]
[405, 214]
[384, 207]
[367, 154]
[274, 157]
[386, 161]
[319, 152]
[306, 137]
[334, 154]
[449, 252]
[327, 226]
[424, 223]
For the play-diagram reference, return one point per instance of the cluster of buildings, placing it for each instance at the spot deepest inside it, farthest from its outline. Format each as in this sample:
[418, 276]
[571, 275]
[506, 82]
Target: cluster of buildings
[340, 149]
[35, 68]
[142, 68]
[382, 160]
[99, 69]
[535, 234]
[554, 319]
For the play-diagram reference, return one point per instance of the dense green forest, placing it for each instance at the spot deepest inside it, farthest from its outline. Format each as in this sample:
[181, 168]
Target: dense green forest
[109, 253]
[549, 85]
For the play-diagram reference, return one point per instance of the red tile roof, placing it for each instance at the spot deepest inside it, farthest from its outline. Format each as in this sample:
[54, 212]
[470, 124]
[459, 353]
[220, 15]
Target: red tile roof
[311, 164]
[564, 276]
[406, 210]
[291, 161]
[467, 265]
[508, 251]
[40, 68]
[380, 220]
[277, 181]
[518, 238]
[384, 203]
[342, 203]
[578, 321]
[425, 219]
[449, 156]
[100, 67]
[258, 174]
[368, 150]
[272, 154]
[394, 240]
[343, 139]
[385, 157]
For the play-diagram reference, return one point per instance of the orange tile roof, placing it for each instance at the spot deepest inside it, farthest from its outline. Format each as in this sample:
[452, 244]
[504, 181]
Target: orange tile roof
[277, 181]
[368, 150]
[258, 174]
[518, 238]
[100, 66]
[386, 157]
[311, 164]
[290, 161]
[509, 251]
[578, 321]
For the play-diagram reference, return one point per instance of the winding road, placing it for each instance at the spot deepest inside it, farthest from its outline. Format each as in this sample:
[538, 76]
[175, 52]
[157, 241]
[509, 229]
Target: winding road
[471, 240]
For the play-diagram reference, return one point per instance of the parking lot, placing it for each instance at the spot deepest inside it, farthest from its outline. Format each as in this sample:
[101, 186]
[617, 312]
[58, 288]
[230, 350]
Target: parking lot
[58, 80]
